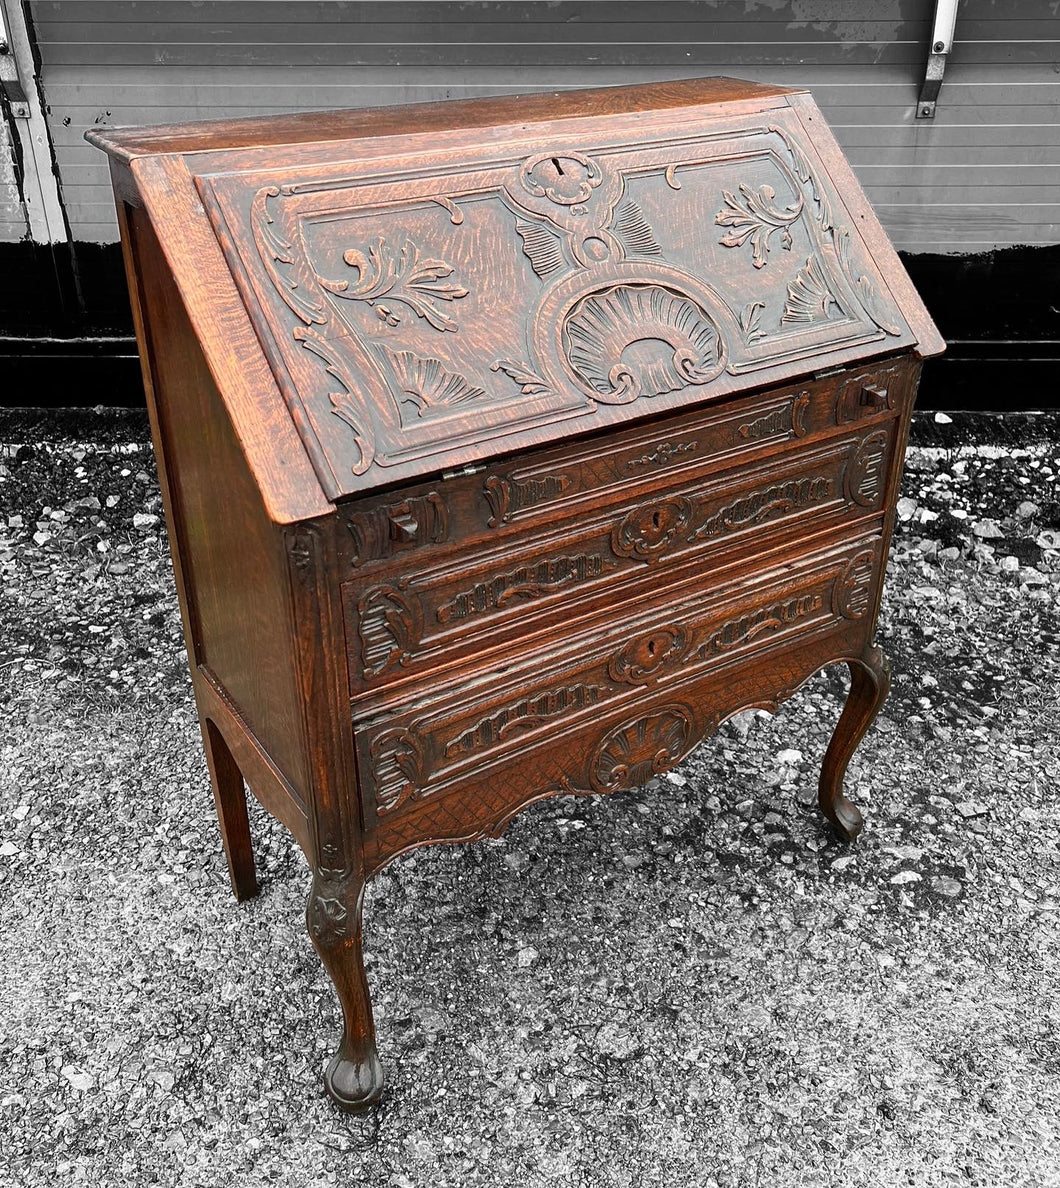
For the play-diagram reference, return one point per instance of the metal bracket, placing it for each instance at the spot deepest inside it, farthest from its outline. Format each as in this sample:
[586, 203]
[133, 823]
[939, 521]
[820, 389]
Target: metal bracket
[941, 44]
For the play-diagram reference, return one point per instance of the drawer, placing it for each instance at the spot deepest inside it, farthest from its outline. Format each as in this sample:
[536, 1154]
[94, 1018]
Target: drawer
[451, 611]
[504, 501]
[424, 746]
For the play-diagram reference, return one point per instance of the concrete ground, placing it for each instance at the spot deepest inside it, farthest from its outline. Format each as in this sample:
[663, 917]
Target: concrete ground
[690, 985]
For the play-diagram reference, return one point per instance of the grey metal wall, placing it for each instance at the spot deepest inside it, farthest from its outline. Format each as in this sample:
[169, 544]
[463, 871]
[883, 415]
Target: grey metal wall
[984, 173]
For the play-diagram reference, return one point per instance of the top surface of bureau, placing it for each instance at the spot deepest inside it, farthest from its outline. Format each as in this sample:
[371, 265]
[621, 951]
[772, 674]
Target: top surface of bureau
[465, 281]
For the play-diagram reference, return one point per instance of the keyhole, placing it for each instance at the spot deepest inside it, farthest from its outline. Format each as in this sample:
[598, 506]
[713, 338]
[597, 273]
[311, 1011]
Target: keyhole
[559, 167]
[656, 520]
[651, 647]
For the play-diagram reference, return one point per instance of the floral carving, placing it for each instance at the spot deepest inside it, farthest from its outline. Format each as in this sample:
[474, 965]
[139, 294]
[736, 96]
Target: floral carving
[526, 582]
[764, 504]
[524, 714]
[346, 405]
[767, 619]
[755, 216]
[389, 627]
[567, 179]
[663, 453]
[529, 381]
[862, 285]
[401, 276]
[294, 281]
[853, 587]
[328, 917]
[400, 767]
[632, 753]
[841, 237]
[647, 532]
[751, 322]
[640, 340]
[768, 425]
[425, 383]
[808, 295]
[649, 655]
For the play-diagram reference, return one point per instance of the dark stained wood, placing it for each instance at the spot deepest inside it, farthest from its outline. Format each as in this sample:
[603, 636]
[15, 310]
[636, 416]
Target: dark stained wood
[435, 567]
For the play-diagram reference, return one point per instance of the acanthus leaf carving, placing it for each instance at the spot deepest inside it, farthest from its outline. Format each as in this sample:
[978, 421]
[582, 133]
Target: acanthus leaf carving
[524, 714]
[401, 765]
[346, 405]
[809, 296]
[763, 504]
[746, 628]
[756, 216]
[389, 625]
[862, 285]
[630, 754]
[530, 383]
[401, 276]
[751, 322]
[428, 384]
[295, 283]
[527, 582]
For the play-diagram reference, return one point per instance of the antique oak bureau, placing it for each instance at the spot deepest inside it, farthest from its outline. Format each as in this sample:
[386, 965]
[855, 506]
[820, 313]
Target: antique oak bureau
[508, 447]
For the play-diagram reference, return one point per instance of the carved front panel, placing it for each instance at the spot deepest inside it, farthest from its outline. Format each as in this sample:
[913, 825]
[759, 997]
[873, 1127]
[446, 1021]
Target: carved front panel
[490, 597]
[431, 313]
[423, 745]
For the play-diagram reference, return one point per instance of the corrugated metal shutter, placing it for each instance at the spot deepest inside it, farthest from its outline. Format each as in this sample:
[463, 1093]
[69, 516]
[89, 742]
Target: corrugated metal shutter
[984, 173]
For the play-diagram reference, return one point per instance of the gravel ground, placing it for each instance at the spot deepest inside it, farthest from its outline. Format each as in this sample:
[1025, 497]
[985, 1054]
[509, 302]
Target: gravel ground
[694, 984]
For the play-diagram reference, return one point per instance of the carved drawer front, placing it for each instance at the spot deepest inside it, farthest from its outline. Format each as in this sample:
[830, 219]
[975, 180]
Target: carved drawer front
[486, 600]
[423, 747]
[505, 500]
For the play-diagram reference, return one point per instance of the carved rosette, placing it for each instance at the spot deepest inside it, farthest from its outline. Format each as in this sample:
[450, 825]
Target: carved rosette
[389, 625]
[649, 656]
[647, 532]
[634, 340]
[632, 753]
[852, 593]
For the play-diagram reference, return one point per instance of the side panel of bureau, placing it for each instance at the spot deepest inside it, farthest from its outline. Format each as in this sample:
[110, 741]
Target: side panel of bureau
[232, 557]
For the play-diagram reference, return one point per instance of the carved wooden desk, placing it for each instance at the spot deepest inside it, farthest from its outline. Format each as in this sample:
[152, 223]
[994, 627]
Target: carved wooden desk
[508, 447]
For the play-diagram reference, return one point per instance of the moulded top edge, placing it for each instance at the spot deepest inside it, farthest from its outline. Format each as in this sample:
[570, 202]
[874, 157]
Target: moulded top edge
[128, 143]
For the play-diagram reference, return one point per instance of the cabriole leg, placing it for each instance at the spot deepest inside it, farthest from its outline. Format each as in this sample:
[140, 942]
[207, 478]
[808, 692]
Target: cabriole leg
[870, 682]
[230, 797]
[354, 1078]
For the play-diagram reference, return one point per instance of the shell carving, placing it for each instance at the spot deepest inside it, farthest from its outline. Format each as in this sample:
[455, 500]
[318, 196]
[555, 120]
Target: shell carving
[640, 340]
